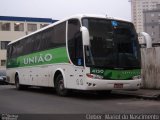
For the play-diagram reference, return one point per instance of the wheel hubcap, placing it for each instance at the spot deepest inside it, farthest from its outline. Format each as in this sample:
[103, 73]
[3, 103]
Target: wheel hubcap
[61, 85]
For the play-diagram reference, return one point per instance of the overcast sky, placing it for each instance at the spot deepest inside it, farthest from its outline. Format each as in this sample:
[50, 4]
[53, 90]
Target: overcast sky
[59, 9]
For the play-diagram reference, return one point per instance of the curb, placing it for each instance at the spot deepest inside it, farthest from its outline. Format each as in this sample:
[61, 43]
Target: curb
[139, 95]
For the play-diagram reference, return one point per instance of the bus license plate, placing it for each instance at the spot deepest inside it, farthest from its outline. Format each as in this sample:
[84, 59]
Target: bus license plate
[118, 85]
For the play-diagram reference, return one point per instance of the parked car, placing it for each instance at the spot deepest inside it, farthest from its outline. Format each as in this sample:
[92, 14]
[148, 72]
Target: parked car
[3, 79]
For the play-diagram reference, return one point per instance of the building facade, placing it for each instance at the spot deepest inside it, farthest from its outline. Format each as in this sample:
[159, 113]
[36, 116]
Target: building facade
[137, 8]
[152, 23]
[12, 28]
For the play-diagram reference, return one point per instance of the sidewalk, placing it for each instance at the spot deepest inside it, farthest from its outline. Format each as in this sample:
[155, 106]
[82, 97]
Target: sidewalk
[141, 93]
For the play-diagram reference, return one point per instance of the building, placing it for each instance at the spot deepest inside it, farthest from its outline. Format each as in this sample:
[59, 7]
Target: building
[137, 8]
[152, 23]
[12, 28]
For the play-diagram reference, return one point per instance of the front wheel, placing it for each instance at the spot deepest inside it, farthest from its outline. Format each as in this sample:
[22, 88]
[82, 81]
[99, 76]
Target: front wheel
[59, 86]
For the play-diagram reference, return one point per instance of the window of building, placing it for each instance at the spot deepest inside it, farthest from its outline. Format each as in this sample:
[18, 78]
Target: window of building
[153, 33]
[19, 26]
[32, 27]
[3, 62]
[43, 25]
[4, 26]
[3, 44]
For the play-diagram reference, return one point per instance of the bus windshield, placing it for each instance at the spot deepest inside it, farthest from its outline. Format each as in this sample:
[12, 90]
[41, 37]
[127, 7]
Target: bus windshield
[113, 44]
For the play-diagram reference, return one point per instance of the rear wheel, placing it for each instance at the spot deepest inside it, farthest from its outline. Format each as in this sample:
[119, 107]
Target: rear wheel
[59, 86]
[18, 85]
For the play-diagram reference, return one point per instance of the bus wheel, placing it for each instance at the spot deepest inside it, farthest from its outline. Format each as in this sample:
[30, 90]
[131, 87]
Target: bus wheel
[59, 86]
[18, 86]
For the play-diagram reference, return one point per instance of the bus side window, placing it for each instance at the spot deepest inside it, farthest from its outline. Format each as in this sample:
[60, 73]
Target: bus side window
[75, 46]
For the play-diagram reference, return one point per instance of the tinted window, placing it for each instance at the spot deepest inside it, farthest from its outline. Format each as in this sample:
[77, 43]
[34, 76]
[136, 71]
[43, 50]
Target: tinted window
[113, 44]
[44, 40]
[75, 46]
[59, 34]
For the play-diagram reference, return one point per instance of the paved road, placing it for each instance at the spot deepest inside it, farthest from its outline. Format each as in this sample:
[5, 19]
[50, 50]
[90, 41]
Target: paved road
[42, 101]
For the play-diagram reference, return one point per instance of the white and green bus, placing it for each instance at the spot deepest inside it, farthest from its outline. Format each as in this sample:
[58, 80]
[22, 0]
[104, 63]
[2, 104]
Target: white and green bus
[83, 52]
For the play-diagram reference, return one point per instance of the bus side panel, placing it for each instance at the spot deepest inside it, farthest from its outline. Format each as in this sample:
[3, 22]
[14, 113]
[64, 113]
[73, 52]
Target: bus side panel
[44, 75]
[11, 75]
[73, 76]
[37, 76]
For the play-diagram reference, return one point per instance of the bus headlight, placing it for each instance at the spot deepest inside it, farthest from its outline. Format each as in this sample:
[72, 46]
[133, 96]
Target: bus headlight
[93, 76]
[136, 77]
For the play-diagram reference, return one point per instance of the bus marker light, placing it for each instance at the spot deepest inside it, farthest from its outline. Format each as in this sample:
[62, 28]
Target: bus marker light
[89, 75]
[93, 76]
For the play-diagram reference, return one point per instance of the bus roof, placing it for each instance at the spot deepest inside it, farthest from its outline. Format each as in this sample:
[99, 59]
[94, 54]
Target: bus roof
[78, 16]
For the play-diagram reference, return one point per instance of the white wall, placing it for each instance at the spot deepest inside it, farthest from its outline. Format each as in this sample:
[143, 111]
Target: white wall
[151, 67]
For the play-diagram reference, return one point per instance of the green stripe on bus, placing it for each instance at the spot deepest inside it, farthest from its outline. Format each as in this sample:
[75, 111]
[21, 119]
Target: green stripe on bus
[116, 74]
[57, 55]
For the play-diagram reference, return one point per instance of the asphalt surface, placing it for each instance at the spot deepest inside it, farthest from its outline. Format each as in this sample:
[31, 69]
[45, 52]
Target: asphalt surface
[45, 101]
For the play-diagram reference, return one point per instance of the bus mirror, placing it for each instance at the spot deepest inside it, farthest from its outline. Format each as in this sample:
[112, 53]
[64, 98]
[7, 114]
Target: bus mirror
[147, 39]
[85, 35]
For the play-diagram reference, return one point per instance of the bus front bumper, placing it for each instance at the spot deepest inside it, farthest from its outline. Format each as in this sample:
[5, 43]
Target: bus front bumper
[97, 84]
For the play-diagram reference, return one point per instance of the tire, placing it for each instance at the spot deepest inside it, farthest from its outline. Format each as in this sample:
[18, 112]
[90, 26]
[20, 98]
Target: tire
[59, 86]
[18, 85]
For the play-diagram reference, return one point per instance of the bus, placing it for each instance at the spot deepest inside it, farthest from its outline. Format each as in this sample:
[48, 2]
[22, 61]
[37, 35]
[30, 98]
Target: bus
[82, 52]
